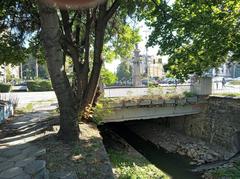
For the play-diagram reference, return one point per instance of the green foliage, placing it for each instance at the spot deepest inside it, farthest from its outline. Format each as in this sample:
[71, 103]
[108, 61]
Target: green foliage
[197, 35]
[16, 25]
[127, 39]
[107, 77]
[188, 94]
[8, 74]
[122, 42]
[28, 108]
[232, 172]
[5, 87]
[124, 71]
[134, 167]
[39, 85]
[236, 82]
[102, 109]
[228, 94]
[29, 68]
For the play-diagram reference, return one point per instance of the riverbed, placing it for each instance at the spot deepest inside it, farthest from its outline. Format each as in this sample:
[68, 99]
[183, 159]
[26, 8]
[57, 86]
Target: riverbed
[172, 164]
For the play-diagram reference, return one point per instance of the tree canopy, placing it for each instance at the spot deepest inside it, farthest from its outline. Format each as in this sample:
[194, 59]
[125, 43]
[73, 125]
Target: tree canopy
[18, 20]
[88, 37]
[197, 35]
[124, 71]
[108, 77]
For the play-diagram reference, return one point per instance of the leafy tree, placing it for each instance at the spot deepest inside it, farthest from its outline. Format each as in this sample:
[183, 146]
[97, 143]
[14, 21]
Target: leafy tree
[197, 35]
[124, 71]
[29, 69]
[82, 35]
[16, 23]
[108, 77]
[81, 29]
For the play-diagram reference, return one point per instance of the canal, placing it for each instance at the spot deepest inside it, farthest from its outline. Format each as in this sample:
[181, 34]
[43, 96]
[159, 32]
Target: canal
[173, 164]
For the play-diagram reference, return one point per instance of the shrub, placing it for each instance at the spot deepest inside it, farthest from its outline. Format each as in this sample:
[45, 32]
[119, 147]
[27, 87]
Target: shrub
[39, 85]
[189, 94]
[4, 87]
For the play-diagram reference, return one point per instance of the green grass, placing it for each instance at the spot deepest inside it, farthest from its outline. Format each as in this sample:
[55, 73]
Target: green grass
[228, 94]
[233, 172]
[236, 82]
[26, 109]
[134, 167]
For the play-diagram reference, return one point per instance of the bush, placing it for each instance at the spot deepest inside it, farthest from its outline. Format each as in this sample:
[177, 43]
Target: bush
[189, 94]
[39, 85]
[4, 87]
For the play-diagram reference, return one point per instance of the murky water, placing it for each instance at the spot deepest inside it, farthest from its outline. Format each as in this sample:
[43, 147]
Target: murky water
[174, 165]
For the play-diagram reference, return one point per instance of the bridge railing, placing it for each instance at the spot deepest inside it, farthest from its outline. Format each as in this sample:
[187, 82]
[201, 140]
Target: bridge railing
[227, 89]
[147, 91]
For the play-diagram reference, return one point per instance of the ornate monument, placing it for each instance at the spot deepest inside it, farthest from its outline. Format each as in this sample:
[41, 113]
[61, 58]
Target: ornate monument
[136, 75]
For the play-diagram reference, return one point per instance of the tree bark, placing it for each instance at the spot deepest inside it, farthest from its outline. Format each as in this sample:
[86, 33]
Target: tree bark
[51, 38]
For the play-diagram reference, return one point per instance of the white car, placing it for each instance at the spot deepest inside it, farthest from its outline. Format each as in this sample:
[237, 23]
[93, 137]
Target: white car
[20, 87]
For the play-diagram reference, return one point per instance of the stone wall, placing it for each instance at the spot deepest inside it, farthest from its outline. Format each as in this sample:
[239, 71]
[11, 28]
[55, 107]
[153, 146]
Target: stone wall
[219, 123]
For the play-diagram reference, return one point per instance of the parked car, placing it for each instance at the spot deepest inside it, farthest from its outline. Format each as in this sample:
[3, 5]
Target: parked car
[169, 81]
[149, 81]
[20, 87]
[145, 82]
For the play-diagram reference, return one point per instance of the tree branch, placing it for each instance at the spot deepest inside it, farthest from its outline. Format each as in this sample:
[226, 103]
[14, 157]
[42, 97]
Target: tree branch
[112, 10]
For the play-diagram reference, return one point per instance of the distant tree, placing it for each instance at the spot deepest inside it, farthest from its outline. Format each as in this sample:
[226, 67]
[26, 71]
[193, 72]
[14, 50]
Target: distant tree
[124, 71]
[29, 69]
[108, 77]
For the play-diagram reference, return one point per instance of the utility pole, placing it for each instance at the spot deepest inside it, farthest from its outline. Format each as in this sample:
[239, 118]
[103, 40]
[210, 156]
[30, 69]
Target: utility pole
[21, 72]
[36, 68]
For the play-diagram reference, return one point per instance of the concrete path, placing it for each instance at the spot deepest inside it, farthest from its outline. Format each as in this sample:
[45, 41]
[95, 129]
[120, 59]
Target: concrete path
[19, 157]
[25, 98]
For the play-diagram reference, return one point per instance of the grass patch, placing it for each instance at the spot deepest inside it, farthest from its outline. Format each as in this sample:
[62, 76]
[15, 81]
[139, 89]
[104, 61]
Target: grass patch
[235, 82]
[134, 167]
[228, 94]
[233, 172]
[26, 109]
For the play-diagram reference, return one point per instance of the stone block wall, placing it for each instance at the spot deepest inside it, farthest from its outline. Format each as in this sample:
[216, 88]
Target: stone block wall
[219, 123]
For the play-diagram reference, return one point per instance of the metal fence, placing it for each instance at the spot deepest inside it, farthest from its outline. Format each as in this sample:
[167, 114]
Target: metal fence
[225, 89]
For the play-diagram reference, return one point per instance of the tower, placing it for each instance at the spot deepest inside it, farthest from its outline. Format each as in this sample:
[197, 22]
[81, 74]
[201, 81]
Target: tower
[136, 76]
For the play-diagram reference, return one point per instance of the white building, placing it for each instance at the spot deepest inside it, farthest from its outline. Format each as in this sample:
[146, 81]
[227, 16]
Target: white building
[150, 66]
[227, 70]
[8, 72]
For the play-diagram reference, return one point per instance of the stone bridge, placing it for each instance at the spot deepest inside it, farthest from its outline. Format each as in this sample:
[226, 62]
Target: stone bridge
[142, 109]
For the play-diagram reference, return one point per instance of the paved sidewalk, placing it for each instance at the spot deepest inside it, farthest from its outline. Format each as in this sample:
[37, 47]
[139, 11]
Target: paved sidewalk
[18, 156]
[29, 149]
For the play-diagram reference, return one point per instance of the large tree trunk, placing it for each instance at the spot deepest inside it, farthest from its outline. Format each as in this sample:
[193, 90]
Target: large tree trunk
[51, 35]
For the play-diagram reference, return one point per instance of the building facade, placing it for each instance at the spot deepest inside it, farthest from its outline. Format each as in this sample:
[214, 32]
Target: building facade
[150, 66]
[226, 70]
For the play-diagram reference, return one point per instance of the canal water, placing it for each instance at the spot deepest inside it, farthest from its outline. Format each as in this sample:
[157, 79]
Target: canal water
[174, 165]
